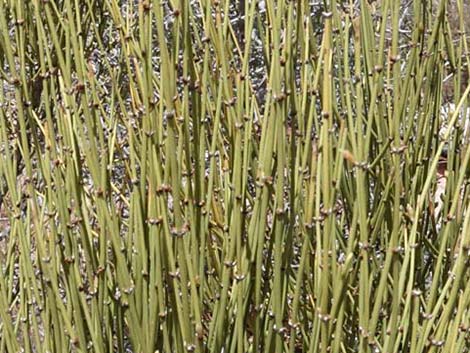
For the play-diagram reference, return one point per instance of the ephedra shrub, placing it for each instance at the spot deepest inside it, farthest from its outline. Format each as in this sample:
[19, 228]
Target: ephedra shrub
[234, 176]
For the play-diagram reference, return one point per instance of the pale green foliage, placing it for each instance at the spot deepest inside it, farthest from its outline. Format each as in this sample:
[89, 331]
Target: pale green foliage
[173, 179]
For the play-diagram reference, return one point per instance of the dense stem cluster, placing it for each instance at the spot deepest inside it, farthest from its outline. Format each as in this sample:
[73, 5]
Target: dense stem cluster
[234, 176]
